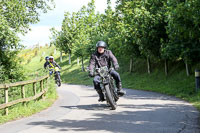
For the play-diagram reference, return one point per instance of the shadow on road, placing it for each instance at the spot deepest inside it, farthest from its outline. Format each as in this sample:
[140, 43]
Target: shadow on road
[89, 107]
[115, 122]
[146, 118]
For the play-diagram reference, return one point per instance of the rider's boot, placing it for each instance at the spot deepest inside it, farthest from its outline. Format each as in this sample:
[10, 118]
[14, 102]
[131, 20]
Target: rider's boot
[101, 96]
[120, 92]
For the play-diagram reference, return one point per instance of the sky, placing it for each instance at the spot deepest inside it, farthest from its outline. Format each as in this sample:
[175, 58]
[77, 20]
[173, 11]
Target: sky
[40, 33]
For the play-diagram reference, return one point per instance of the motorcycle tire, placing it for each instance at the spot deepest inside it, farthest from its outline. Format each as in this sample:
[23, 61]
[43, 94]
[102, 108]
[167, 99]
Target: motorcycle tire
[59, 83]
[113, 91]
[110, 98]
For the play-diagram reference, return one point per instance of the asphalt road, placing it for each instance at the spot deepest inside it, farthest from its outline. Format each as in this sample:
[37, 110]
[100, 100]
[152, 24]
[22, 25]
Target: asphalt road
[77, 110]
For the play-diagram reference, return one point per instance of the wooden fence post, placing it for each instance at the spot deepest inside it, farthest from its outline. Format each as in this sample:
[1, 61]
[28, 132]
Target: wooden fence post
[23, 93]
[42, 87]
[47, 83]
[34, 88]
[6, 99]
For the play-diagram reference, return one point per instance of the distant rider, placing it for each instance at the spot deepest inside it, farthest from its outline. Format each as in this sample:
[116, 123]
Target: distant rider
[51, 64]
[105, 58]
[47, 62]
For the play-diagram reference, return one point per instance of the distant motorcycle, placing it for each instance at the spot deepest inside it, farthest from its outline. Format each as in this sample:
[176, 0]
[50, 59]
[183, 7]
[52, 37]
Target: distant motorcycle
[107, 86]
[56, 72]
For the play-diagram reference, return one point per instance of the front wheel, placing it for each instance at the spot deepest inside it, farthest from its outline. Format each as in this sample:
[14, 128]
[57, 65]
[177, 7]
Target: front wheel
[58, 83]
[57, 79]
[110, 98]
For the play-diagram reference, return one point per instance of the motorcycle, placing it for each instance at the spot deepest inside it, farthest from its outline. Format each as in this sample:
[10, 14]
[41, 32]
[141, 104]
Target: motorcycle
[56, 72]
[107, 86]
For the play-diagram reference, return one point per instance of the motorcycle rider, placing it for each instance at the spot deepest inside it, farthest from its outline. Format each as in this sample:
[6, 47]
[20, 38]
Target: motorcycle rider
[47, 62]
[51, 64]
[103, 57]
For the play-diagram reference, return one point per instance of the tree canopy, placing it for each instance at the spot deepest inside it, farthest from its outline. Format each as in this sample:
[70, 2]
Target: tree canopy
[161, 30]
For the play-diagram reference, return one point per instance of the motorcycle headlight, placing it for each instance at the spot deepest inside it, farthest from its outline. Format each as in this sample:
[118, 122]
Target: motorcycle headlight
[103, 71]
[56, 69]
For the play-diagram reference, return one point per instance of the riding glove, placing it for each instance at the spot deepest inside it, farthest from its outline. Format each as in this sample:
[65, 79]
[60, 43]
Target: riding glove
[116, 67]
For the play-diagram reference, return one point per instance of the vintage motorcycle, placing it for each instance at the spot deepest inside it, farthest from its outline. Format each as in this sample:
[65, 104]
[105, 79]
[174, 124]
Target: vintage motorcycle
[107, 86]
[56, 72]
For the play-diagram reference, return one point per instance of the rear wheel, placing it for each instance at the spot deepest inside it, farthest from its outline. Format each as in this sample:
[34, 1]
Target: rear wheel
[109, 97]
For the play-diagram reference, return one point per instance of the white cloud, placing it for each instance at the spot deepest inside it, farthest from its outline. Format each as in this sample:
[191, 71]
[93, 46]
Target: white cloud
[38, 35]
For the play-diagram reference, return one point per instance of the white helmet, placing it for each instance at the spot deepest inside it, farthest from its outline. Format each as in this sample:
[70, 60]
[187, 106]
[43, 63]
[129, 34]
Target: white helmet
[51, 57]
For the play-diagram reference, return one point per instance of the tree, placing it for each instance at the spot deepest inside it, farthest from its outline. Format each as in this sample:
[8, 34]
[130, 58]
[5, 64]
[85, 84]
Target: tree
[21, 13]
[15, 18]
[86, 23]
[124, 39]
[183, 31]
[77, 32]
[149, 28]
[8, 41]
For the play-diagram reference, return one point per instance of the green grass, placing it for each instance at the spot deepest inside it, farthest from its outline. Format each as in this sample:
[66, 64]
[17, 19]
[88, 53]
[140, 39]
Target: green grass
[37, 62]
[33, 69]
[72, 74]
[177, 85]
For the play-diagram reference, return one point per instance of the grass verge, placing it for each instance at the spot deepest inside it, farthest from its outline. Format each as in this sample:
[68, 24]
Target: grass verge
[32, 107]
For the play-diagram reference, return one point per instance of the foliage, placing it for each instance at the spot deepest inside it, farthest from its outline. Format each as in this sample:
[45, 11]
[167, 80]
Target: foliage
[183, 23]
[77, 29]
[15, 18]
[21, 13]
[160, 30]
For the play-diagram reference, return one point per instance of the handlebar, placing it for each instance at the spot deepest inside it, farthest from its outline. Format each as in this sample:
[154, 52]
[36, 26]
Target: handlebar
[110, 69]
[97, 71]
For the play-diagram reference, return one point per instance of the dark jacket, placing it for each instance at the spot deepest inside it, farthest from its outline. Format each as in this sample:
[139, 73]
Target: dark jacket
[47, 64]
[105, 59]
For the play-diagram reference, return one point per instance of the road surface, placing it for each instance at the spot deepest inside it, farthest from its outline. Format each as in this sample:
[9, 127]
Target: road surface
[77, 110]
